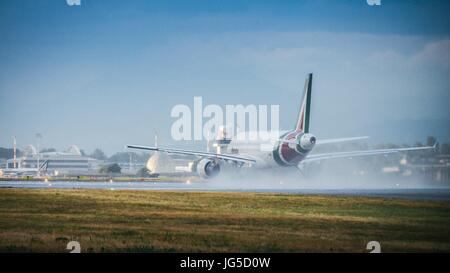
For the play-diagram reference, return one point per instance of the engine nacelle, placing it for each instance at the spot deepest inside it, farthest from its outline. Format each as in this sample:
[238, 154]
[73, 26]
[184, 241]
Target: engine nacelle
[207, 168]
[307, 142]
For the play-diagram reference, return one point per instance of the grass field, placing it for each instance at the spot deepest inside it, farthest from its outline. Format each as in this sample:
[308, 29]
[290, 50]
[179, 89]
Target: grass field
[163, 221]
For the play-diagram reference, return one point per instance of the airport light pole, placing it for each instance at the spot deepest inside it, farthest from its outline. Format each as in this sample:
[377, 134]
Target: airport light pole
[15, 153]
[129, 167]
[38, 140]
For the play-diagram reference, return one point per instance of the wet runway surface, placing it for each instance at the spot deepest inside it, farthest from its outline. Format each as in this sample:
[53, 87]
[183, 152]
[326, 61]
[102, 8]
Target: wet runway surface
[442, 194]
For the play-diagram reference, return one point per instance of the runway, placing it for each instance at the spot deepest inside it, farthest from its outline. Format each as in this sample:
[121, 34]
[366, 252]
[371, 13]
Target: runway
[442, 194]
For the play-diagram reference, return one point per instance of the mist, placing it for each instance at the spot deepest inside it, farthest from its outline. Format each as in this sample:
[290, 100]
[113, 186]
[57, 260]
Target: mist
[373, 172]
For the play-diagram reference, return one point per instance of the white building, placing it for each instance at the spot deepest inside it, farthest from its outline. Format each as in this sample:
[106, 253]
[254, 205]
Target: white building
[70, 162]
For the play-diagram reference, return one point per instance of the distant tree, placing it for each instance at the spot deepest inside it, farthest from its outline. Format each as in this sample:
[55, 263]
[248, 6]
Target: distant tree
[143, 172]
[111, 168]
[48, 150]
[98, 154]
[124, 157]
[83, 153]
[121, 157]
[7, 153]
[431, 140]
[142, 157]
[445, 148]
[418, 144]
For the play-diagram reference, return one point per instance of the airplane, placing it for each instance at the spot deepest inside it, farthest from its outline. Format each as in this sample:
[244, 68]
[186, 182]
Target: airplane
[286, 149]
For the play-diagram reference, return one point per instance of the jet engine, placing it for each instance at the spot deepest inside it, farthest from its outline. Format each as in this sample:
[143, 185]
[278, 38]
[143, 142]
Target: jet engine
[207, 168]
[306, 142]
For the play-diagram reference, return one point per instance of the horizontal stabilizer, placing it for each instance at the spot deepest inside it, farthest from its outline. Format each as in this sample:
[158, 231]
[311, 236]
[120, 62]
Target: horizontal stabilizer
[319, 157]
[337, 140]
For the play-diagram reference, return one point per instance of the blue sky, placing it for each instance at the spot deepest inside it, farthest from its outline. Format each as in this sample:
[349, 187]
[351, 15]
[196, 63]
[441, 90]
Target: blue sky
[107, 73]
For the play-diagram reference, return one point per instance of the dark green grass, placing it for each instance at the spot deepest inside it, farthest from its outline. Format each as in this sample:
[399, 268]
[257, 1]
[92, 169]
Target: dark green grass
[164, 221]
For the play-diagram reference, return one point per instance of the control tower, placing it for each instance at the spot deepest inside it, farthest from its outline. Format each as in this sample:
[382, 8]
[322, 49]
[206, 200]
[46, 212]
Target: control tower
[222, 140]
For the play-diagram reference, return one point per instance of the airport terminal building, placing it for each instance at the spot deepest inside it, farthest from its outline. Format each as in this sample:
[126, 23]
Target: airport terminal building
[69, 162]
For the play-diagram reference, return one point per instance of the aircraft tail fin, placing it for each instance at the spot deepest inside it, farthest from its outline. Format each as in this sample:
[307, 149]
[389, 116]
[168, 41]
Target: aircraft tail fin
[305, 107]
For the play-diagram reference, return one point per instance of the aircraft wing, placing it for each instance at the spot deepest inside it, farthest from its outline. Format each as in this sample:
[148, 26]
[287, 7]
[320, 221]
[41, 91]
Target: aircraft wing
[318, 157]
[335, 140]
[326, 141]
[226, 157]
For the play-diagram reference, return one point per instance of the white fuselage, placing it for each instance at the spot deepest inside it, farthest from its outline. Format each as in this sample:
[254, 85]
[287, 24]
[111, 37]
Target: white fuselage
[266, 148]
